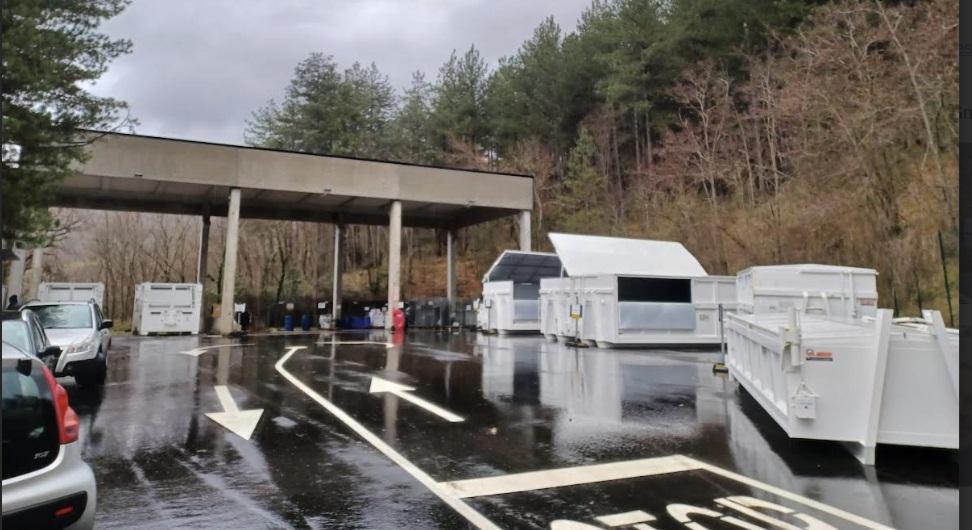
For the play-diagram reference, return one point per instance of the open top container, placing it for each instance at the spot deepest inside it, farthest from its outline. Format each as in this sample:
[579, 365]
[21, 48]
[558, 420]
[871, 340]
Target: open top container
[511, 290]
[71, 292]
[167, 308]
[860, 381]
[810, 288]
[619, 291]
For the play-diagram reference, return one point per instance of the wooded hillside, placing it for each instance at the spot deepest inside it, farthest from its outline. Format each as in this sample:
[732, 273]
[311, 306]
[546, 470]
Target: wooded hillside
[753, 131]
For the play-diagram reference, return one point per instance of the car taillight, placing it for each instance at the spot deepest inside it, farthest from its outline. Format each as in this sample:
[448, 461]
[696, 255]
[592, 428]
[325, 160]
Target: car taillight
[67, 420]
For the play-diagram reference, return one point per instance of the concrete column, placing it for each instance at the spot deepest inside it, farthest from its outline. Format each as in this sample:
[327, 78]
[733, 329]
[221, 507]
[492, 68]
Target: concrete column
[451, 265]
[394, 259]
[15, 278]
[202, 263]
[229, 263]
[36, 273]
[525, 244]
[337, 271]
[202, 266]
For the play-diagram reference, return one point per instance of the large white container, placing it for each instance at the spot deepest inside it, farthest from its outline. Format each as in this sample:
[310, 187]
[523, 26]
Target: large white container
[861, 381]
[630, 292]
[167, 308]
[811, 288]
[511, 291]
[71, 292]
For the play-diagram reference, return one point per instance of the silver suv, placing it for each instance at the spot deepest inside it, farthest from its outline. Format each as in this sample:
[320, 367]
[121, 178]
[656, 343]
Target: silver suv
[45, 482]
[83, 334]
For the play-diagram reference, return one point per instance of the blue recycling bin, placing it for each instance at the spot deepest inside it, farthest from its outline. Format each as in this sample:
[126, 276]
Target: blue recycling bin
[288, 322]
[305, 322]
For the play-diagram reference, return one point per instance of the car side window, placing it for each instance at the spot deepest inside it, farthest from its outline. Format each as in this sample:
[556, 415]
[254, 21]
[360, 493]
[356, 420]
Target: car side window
[40, 338]
[99, 317]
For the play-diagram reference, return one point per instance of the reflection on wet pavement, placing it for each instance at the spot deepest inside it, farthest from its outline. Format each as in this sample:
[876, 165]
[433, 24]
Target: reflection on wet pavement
[527, 405]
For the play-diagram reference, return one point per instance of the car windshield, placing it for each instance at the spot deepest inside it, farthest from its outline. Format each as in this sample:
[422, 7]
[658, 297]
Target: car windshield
[15, 333]
[63, 316]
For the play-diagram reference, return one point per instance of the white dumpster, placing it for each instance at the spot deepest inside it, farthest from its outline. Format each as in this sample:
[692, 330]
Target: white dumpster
[631, 292]
[811, 288]
[167, 308]
[511, 290]
[71, 292]
[861, 381]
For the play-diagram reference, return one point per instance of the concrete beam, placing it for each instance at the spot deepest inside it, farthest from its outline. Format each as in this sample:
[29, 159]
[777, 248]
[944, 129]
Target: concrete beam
[394, 259]
[525, 237]
[184, 204]
[229, 263]
[337, 271]
[133, 157]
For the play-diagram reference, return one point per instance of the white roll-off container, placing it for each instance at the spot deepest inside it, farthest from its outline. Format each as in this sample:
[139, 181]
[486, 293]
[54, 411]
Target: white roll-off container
[811, 288]
[167, 308]
[861, 381]
[511, 291]
[633, 292]
[71, 292]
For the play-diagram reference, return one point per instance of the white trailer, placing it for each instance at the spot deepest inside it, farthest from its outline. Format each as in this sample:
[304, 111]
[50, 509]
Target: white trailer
[633, 292]
[822, 289]
[71, 292]
[167, 308]
[860, 381]
[511, 291]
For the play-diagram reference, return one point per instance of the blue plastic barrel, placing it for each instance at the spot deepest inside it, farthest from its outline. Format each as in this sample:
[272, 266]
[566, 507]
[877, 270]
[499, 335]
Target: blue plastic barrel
[288, 322]
[305, 322]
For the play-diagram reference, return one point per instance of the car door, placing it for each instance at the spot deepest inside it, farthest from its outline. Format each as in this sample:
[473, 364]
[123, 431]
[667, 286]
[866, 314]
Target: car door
[105, 334]
[41, 342]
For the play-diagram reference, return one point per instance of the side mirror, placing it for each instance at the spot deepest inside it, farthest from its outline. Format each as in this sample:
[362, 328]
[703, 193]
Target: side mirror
[106, 324]
[51, 351]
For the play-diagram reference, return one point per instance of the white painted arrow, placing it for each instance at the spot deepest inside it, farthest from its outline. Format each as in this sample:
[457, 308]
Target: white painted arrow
[196, 352]
[240, 422]
[383, 385]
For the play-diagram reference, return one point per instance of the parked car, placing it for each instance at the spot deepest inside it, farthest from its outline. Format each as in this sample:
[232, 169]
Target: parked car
[45, 482]
[83, 334]
[23, 330]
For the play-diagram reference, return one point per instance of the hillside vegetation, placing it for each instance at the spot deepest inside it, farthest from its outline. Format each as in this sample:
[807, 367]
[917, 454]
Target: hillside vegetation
[753, 131]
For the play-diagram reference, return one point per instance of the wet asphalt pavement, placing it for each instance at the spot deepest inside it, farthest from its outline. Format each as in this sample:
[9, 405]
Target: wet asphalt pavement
[526, 406]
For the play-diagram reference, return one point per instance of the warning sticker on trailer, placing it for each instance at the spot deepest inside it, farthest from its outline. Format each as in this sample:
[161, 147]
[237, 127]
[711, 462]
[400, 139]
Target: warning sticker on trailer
[814, 355]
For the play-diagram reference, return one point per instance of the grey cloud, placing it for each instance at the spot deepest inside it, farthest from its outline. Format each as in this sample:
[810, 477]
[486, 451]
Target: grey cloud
[199, 68]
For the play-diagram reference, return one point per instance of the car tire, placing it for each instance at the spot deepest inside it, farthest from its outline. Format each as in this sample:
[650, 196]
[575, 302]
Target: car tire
[96, 376]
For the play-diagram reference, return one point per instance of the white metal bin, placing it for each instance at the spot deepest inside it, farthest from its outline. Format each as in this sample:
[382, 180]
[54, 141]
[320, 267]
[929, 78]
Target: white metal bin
[861, 381]
[71, 292]
[811, 288]
[167, 308]
[630, 292]
[556, 298]
[511, 290]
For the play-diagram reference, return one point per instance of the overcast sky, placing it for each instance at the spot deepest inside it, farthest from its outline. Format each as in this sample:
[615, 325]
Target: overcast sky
[200, 67]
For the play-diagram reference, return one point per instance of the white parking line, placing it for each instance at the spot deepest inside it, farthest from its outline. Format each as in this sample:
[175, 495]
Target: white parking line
[471, 515]
[569, 476]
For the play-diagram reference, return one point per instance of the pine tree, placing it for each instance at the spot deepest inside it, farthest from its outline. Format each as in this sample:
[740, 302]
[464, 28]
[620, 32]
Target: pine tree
[50, 50]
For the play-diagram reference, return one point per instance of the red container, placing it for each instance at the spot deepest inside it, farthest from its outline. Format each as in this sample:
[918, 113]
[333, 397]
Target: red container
[398, 319]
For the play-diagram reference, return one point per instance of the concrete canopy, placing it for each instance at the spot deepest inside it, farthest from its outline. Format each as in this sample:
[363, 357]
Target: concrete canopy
[163, 175]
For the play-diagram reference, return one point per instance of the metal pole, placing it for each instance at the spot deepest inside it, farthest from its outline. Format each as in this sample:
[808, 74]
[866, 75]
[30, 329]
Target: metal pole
[948, 288]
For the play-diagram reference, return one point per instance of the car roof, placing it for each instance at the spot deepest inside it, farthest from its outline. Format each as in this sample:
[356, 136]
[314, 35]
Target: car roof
[33, 303]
